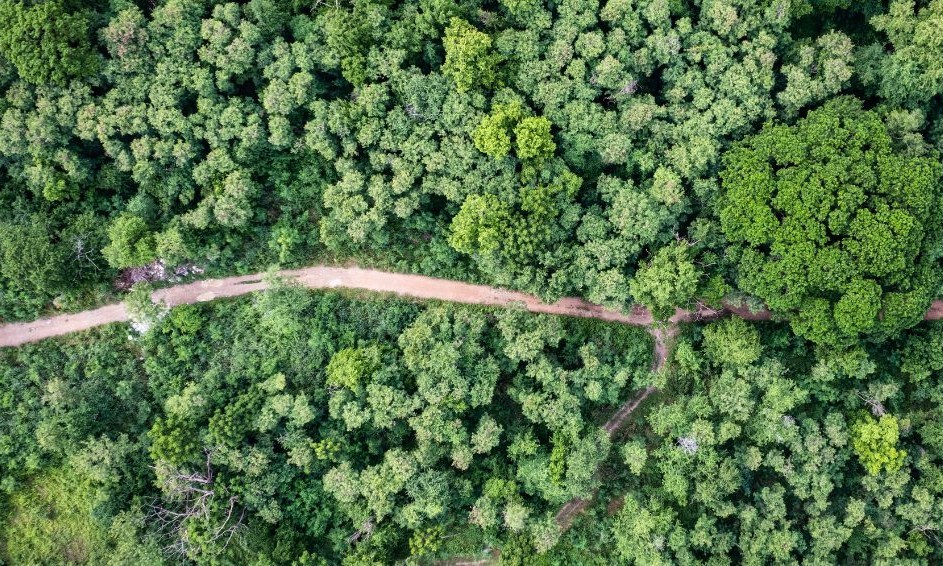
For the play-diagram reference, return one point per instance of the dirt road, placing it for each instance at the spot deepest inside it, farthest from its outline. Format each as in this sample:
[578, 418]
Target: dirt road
[320, 277]
[328, 277]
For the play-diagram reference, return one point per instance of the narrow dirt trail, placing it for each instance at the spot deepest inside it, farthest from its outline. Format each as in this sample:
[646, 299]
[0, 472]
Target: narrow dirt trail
[663, 336]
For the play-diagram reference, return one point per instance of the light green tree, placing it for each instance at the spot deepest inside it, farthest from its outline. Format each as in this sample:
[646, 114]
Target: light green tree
[670, 279]
[131, 242]
[533, 139]
[470, 60]
[875, 442]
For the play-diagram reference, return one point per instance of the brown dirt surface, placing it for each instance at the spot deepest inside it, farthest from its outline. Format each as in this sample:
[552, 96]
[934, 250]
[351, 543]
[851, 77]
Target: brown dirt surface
[329, 277]
[615, 505]
[320, 277]
[570, 510]
[618, 419]
[19, 333]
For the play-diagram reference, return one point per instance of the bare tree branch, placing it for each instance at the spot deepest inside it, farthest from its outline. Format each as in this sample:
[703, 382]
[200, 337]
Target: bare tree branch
[189, 497]
[877, 408]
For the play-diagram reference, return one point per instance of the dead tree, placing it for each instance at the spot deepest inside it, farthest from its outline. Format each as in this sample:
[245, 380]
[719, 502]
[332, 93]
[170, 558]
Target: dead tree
[190, 497]
[877, 408]
[364, 531]
[83, 253]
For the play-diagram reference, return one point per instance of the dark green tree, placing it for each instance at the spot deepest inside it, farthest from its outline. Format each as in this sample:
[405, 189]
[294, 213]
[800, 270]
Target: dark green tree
[910, 72]
[831, 226]
[45, 41]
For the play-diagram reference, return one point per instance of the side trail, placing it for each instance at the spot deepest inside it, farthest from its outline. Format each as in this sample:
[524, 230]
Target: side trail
[663, 336]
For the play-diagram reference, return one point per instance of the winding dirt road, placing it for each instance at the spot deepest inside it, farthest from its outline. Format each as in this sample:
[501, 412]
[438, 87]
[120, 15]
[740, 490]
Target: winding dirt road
[328, 277]
[319, 277]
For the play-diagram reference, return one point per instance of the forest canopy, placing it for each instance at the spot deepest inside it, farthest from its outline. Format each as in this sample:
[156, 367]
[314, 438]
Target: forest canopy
[779, 160]
[553, 147]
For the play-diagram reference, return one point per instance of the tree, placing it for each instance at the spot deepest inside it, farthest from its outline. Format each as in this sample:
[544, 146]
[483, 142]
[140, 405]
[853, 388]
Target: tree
[533, 138]
[469, 58]
[29, 258]
[670, 279]
[732, 342]
[830, 226]
[875, 443]
[349, 367]
[817, 71]
[131, 243]
[911, 72]
[480, 225]
[493, 134]
[45, 42]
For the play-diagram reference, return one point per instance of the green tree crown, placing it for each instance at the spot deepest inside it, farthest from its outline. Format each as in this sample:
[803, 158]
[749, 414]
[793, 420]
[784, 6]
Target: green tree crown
[831, 226]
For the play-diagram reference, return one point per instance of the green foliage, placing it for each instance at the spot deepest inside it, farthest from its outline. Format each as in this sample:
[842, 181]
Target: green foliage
[533, 138]
[480, 225]
[830, 225]
[56, 397]
[46, 42]
[237, 135]
[857, 309]
[425, 542]
[669, 280]
[750, 463]
[53, 522]
[174, 440]
[909, 71]
[131, 243]
[875, 442]
[319, 415]
[634, 456]
[30, 258]
[444, 418]
[493, 134]
[244, 134]
[351, 367]
[732, 342]
[515, 240]
[470, 60]
[817, 70]
[567, 148]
